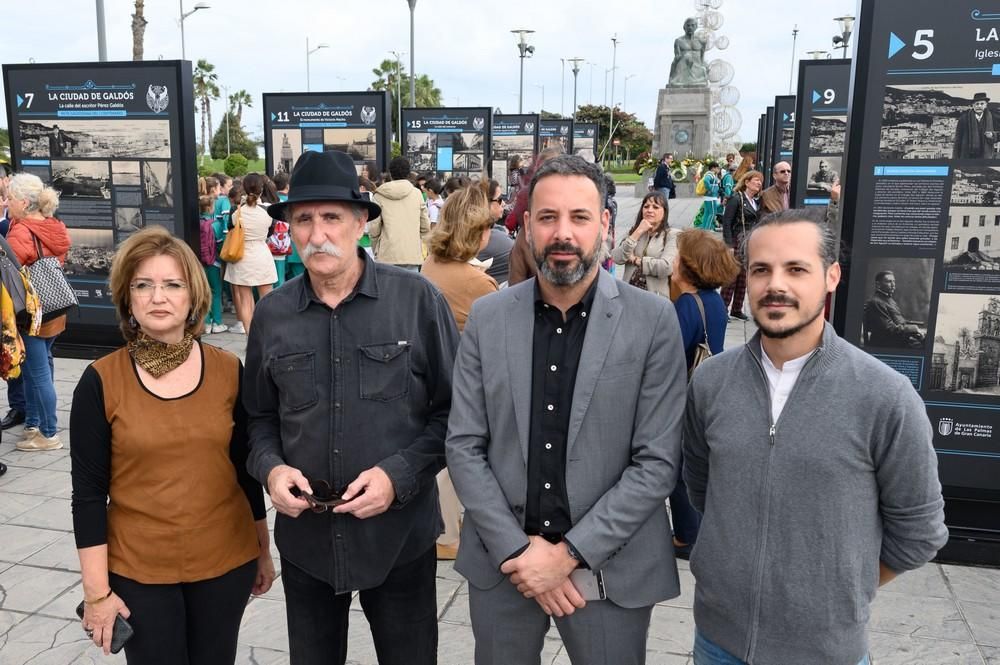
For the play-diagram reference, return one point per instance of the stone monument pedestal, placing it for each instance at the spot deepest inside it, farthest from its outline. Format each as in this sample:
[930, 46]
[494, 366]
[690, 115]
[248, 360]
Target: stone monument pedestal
[683, 122]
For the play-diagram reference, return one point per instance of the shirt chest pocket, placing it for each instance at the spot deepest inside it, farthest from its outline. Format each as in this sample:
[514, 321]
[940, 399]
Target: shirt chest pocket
[384, 371]
[295, 376]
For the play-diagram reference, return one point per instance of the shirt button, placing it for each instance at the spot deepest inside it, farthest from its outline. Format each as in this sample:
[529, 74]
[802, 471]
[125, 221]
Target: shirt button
[559, 331]
[548, 446]
[336, 360]
[550, 407]
[553, 368]
[336, 451]
[336, 405]
[548, 486]
[547, 523]
[583, 314]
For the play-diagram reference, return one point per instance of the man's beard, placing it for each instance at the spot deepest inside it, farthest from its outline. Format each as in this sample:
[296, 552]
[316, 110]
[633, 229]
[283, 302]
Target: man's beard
[784, 334]
[564, 274]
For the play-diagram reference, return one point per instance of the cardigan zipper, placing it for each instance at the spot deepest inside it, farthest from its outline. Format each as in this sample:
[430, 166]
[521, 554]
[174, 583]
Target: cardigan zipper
[766, 500]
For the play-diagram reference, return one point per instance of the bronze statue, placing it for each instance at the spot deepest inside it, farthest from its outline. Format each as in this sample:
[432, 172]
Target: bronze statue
[688, 67]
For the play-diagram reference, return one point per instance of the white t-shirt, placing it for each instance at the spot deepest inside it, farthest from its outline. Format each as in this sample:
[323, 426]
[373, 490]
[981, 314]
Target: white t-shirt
[781, 381]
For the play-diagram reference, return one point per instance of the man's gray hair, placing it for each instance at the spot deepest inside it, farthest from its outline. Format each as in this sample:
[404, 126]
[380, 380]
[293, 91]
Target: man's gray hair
[829, 244]
[356, 209]
[570, 165]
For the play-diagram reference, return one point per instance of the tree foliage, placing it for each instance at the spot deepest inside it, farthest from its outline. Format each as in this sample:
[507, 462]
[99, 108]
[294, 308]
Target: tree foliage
[426, 94]
[236, 165]
[237, 101]
[239, 142]
[206, 88]
[635, 137]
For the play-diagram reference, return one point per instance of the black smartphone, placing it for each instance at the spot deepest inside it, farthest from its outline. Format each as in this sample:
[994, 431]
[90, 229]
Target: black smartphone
[120, 634]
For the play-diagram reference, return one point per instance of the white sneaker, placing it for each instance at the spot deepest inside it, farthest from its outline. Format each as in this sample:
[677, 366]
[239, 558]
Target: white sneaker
[29, 433]
[40, 442]
[238, 328]
[218, 328]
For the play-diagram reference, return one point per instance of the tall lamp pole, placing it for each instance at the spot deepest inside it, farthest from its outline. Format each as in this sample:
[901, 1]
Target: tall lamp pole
[229, 109]
[625, 93]
[309, 52]
[576, 70]
[102, 40]
[846, 25]
[542, 87]
[791, 74]
[413, 70]
[611, 112]
[525, 50]
[399, 101]
[198, 6]
[562, 89]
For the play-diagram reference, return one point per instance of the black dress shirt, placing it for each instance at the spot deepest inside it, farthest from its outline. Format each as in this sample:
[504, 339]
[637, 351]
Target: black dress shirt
[334, 392]
[555, 358]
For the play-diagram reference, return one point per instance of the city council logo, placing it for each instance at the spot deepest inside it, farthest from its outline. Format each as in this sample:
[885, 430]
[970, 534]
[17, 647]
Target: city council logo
[946, 426]
[564, 130]
[368, 115]
[157, 98]
[529, 126]
[478, 123]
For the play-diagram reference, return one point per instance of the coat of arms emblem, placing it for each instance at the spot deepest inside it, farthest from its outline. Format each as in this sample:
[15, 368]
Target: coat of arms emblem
[157, 98]
[478, 123]
[368, 115]
[946, 426]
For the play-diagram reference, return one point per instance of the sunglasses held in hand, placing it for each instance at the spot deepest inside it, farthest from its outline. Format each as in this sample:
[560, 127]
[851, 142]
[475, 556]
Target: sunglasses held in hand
[323, 498]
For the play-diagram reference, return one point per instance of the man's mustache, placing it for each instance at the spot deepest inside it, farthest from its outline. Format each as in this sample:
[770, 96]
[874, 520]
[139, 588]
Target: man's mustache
[563, 248]
[777, 299]
[325, 248]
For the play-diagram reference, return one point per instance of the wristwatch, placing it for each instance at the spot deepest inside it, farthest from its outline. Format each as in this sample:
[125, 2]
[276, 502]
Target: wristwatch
[580, 562]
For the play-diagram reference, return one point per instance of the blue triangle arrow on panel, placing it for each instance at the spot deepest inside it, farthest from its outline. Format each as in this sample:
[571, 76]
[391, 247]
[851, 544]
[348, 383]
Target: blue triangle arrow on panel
[273, 117]
[816, 96]
[895, 44]
[784, 117]
[20, 100]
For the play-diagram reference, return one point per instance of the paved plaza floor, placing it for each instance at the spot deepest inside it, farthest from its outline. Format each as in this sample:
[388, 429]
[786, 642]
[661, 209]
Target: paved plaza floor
[938, 615]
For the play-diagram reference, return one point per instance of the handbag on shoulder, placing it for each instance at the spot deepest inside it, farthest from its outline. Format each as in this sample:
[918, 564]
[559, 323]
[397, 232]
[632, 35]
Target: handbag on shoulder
[24, 301]
[702, 352]
[49, 282]
[232, 248]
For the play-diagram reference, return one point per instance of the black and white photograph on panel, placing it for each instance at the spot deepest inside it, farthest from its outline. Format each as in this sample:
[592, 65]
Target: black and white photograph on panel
[76, 179]
[90, 253]
[552, 141]
[422, 162]
[824, 173]
[125, 174]
[973, 235]
[421, 142]
[787, 139]
[128, 220]
[158, 186]
[506, 147]
[966, 352]
[946, 121]
[827, 134]
[359, 143]
[897, 303]
[286, 148]
[118, 139]
[468, 142]
[469, 162]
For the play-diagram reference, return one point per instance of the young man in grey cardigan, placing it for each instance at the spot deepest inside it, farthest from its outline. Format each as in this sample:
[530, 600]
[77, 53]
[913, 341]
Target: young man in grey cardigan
[813, 465]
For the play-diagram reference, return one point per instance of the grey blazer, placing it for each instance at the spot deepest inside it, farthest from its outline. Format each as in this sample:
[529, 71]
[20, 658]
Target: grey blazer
[623, 451]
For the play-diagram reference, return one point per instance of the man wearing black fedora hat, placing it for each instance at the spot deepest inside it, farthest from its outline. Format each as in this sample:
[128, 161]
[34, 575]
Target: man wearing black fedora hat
[975, 133]
[348, 388]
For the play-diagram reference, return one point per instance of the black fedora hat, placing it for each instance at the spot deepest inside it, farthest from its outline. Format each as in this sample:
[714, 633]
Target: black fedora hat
[329, 175]
[980, 97]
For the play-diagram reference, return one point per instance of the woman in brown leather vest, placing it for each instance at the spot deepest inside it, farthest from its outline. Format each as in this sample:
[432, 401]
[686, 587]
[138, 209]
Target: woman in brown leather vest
[170, 527]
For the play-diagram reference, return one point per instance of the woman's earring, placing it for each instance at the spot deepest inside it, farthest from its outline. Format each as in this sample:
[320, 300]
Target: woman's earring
[132, 322]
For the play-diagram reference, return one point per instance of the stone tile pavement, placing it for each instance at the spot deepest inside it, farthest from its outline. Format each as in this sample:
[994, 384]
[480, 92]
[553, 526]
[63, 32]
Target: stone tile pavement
[939, 615]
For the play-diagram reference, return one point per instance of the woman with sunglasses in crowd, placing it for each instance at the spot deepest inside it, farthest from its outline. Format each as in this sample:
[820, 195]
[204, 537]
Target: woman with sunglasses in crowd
[170, 527]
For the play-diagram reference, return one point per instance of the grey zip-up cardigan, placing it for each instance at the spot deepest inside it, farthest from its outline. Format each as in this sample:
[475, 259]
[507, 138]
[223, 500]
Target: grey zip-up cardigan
[799, 512]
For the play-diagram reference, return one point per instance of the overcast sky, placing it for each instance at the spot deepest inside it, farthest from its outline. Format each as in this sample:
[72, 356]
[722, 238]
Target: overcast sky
[465, 46]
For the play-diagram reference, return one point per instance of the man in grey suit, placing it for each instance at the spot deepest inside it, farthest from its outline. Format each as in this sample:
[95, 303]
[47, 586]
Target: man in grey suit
[564, 442]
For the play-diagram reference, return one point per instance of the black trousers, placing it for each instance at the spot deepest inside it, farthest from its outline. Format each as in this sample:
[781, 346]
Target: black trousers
[402, 613]
[193, 623]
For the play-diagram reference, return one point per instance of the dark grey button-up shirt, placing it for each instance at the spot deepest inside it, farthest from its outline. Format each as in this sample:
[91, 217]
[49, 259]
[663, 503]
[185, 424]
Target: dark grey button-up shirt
[333, 392]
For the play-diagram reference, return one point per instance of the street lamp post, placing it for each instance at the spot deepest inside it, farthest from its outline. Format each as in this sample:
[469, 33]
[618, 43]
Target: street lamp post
[625, 93]
[399, 101]
[791, 74]
[846, 25]
[309, 52]
[525, 50]
[413, 71]
[611, 111]
[576, 70]
[229, 110]
[198, 6]
[102, 40]
[590, 99]
[562, 89]
[542, 87]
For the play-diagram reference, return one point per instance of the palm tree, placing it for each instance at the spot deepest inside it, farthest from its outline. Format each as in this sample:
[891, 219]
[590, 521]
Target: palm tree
[138, 29]
[426, 94]
[205, 90]
[237, 101]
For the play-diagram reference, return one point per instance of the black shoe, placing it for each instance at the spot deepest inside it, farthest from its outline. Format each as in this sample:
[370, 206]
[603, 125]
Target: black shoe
[740, 315]
[3, 468]
[13, 417]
